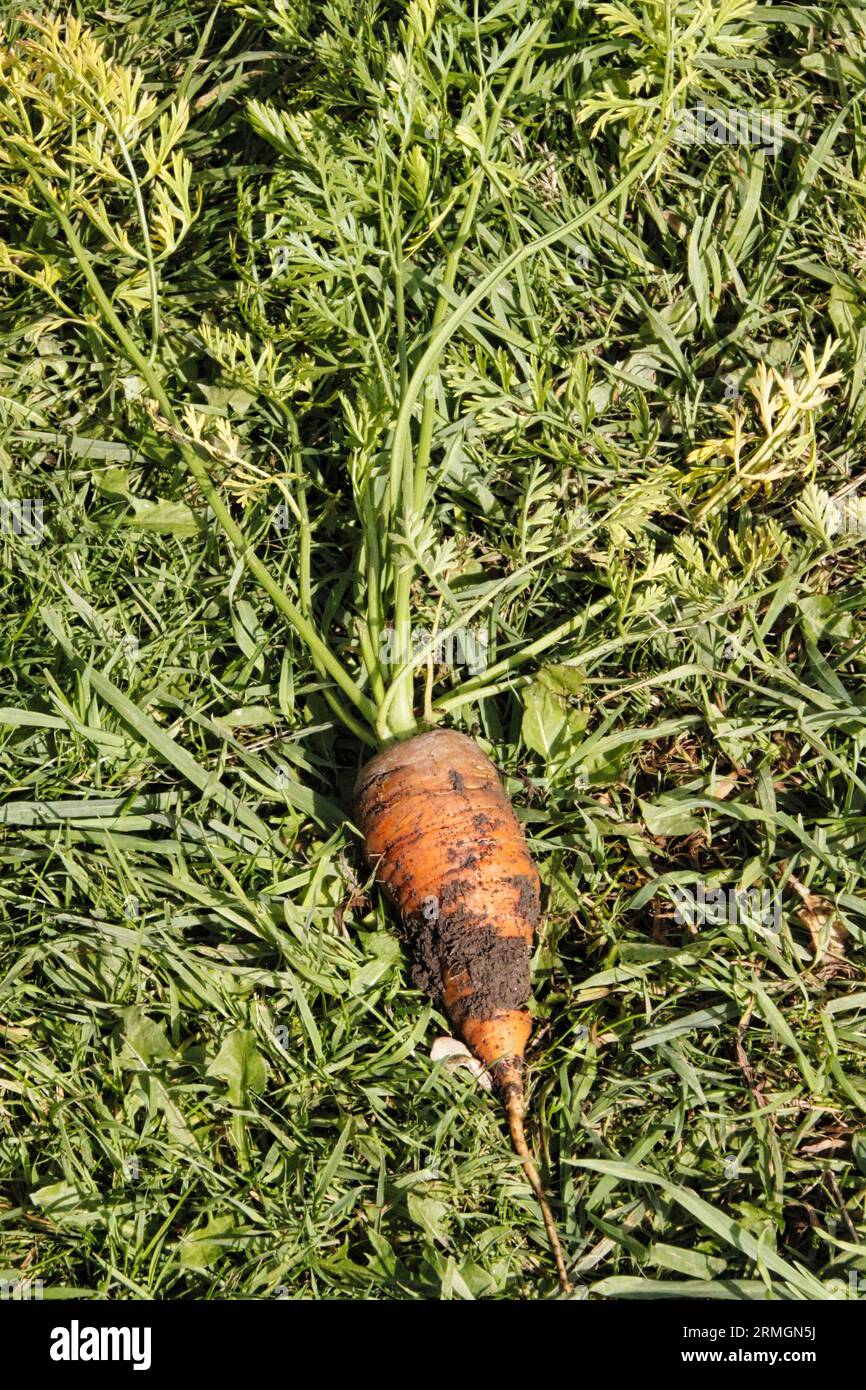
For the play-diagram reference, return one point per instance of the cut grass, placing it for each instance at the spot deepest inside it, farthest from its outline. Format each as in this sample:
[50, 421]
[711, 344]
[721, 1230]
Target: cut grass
[627, 459]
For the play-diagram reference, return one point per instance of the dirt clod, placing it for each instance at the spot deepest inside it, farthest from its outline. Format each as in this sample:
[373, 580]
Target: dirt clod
[496, 967]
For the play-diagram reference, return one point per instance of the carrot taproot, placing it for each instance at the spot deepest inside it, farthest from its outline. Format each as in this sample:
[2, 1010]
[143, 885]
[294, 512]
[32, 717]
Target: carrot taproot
[447, 848]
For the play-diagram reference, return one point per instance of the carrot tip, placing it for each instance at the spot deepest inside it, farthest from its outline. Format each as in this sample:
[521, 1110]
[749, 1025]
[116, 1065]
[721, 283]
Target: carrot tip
[514, 1098]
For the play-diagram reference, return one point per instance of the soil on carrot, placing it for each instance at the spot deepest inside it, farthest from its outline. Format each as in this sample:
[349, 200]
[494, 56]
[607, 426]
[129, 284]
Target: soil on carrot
[458, 943]
[447, 937]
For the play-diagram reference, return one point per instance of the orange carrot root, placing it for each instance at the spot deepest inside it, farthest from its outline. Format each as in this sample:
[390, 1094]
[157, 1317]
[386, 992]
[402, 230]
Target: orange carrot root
[515, 1109]
[449, 851]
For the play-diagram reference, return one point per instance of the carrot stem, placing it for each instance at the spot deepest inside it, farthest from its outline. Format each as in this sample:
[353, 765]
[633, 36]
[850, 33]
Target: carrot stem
[515, 1109]
[322, 655]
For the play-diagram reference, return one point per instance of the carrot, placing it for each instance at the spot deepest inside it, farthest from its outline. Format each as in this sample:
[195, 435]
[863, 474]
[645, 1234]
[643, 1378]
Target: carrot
[446, 846]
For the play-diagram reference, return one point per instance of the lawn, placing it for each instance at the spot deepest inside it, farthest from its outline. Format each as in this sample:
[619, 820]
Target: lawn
[368, 366]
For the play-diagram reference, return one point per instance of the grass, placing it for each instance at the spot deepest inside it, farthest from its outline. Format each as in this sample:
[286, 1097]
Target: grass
[443, 311]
